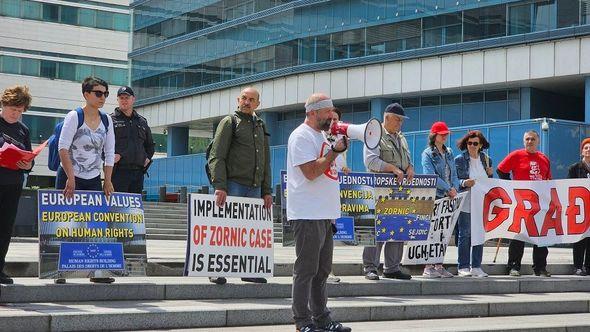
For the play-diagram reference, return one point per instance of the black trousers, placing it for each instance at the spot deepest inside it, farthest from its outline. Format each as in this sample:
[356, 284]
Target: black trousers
[515, 251]
[9, 197]
[128, 180]
[582, 254]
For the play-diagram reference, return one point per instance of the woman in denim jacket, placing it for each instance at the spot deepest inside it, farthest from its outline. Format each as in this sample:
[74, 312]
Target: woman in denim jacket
[471, 165]
[438, 159]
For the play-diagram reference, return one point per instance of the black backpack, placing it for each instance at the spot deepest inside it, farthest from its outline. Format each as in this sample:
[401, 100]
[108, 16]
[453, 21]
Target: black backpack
[208, 151]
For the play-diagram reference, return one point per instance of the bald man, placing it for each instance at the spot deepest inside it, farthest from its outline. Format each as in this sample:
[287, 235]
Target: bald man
[239, 160]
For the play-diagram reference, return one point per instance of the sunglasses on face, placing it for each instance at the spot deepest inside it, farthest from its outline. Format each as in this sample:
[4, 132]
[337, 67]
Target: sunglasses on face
[99, 94]
[473, 143]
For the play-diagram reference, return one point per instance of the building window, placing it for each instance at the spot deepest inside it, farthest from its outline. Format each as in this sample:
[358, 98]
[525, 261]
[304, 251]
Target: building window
[87, 17]
[10, 8]
[519, 19]
[10, 65]
[30, 67]
[67, 71]
[32, 10]
[50, 12]
[486, 22]
[69, 15]
[544, 14]
[104, 20]
[441, 29]
[48, 69]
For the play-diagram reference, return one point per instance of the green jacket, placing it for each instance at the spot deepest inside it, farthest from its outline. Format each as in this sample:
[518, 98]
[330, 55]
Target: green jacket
[244, 157]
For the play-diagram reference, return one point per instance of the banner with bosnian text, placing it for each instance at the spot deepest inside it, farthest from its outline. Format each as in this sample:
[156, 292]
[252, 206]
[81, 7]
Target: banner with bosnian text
[539, 212]
[375, 207]
[235, 240]
[445, 214]
[90, 235]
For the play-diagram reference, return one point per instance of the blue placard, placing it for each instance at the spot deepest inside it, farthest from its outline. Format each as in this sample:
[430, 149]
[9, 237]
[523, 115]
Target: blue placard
[401, 228]
[345, 227]
[75, 256]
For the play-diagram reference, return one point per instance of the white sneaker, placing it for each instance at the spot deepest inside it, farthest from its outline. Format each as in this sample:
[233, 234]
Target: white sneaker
[464, 272]
[431, 273]
[478, 272]
[444, 273]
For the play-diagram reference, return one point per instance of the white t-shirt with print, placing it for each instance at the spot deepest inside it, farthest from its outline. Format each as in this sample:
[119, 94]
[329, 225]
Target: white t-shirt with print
[317, 199]
[86, 146]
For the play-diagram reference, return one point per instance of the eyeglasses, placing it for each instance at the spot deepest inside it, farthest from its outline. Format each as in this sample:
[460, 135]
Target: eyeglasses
[473, 143]
[99, 94]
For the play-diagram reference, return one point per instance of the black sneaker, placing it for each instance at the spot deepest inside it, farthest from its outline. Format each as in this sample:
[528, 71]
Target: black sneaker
[102, 280]
[218, 280]
[397, 275]
[255, 280]
[309, 328]
[5, 280]
[371, 275]
[543, 273]
[60, 281]
[334, 326]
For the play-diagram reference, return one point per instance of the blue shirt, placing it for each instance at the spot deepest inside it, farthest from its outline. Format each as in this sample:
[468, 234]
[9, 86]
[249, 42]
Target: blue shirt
[442, 165]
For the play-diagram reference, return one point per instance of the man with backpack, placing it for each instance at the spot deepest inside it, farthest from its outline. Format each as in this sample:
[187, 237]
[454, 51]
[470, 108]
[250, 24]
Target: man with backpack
[86, 134]
[239, 158]
[134, 145]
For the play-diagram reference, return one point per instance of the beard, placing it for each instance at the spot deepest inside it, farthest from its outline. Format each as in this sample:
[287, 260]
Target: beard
[325, 124]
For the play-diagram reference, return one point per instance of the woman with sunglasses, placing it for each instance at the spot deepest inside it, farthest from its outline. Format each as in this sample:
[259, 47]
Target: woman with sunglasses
[581, 170]
[472, 164]
[438, 159]
[81, 148]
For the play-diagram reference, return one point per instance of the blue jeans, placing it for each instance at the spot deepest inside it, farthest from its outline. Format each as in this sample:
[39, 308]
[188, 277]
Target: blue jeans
[240, 190]
[464, 243]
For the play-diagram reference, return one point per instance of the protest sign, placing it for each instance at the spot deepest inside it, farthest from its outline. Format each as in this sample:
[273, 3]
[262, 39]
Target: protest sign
[539, 212]
[360, 193]
[235, 240]
[443, 220]
[91, 235]
[403, 209]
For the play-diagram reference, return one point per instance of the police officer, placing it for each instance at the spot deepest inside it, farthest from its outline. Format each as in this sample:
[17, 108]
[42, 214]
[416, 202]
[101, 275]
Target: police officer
[134, 145]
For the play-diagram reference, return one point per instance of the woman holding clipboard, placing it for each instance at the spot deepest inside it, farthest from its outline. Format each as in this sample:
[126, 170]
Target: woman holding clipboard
[15, 101]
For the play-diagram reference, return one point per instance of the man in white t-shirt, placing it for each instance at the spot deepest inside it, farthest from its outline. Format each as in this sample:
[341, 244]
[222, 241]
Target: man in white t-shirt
[313, 203]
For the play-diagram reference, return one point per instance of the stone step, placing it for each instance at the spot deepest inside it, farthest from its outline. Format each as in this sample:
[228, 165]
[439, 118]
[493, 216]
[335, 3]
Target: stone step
[165, 215]
[564, 322]
[167, 314]
[166, 231]
[194, 288]
[175, 266]
[165, 225]
[163, 204]
[166, 237]
[165, 221]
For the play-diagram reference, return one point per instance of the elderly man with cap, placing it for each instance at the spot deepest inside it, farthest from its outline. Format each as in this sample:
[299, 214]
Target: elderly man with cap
[312, 176]
[391, 156]
[134, 145]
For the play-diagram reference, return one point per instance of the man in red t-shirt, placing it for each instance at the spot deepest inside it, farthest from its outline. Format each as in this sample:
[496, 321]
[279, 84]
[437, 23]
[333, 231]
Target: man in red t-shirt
[532, 165]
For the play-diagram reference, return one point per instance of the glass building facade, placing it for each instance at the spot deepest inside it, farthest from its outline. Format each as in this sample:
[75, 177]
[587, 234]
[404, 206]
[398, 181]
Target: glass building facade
[292, 36]
[182, 49]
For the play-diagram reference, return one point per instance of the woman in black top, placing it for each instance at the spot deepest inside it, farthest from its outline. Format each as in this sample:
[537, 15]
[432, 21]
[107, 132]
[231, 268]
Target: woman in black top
[579, 170]
[14, 102]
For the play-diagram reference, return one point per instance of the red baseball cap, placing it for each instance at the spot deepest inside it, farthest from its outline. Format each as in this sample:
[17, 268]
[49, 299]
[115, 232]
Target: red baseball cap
[439, 128]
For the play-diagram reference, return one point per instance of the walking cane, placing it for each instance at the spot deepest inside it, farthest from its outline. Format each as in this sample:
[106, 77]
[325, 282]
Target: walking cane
[497, 249]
